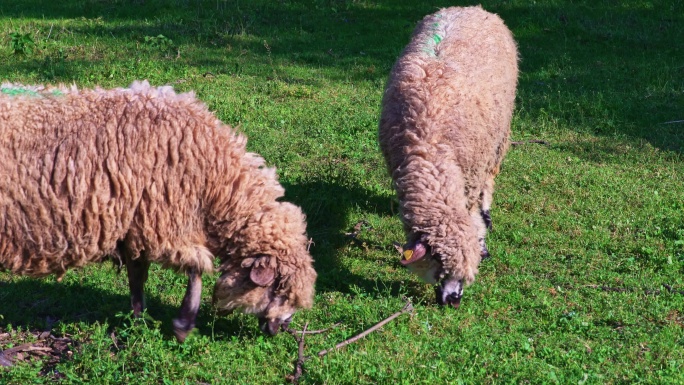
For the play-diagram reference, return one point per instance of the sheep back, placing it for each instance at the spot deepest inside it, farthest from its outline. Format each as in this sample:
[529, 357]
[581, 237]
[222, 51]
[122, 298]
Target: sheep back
[445, 126]
[84, 169]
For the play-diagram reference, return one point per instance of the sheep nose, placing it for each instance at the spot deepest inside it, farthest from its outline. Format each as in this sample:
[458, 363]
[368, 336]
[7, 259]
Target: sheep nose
[269, 327]
[286, 323]
[449, 292]
[453, 299]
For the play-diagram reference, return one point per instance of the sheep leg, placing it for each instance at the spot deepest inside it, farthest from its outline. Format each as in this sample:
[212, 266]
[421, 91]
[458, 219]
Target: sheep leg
[481, 230]
[137, 276]
[487, 218]
[485, 206]
[486, 202]
[189, 308]
[484, 251]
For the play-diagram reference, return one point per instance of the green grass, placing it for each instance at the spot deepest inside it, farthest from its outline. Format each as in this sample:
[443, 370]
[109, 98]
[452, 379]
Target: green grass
[587, 230]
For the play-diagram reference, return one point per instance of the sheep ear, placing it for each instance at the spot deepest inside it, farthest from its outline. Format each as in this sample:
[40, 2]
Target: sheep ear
[413, 252]
[262, 273]
[248, 262]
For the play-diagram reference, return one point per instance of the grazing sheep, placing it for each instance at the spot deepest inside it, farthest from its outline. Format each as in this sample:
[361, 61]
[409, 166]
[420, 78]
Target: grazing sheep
[147, 175]
[444, 130]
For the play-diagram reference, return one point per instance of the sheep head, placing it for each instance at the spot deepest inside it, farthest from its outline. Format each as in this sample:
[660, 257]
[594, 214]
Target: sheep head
[258, 286]
[431, 266]
[270, 272]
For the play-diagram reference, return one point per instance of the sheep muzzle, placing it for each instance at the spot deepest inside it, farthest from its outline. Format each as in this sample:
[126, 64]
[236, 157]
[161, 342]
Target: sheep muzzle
[449, 292]
[273, 326]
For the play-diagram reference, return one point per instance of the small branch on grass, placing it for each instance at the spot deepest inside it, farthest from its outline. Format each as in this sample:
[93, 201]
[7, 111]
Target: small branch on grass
[299, 364]
[672, 290]
[673, 122]
[301, 358]
[36, 348]
[634, 289]
[530, 141]
[4, 361]
[407, 309]
[49, 33]
[114, 340]
[299, 367]
[398, 247]
[292, 331]
[358, 227]
[61, 339]
[26, 348]
[300, 350]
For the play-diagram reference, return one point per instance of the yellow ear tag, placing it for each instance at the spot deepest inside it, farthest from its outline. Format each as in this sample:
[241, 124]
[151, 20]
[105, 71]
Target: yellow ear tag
[408, 254]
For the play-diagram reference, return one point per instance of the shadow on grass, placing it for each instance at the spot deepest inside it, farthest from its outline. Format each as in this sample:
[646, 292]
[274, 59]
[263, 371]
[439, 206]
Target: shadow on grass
[603, 70]
[311, 34]
[592, 66]
[331, 218]
[37, 304]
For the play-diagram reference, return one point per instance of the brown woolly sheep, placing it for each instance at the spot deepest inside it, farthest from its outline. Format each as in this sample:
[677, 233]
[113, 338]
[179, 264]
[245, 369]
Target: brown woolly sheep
[444, 130]
[147, 175]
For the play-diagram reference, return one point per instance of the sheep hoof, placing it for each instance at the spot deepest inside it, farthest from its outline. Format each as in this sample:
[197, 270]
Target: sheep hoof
[181, 334]
[181, 330]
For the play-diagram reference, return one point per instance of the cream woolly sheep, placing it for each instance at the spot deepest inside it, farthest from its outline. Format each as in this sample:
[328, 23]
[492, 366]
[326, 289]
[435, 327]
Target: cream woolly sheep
[444, 131]
[147, 175]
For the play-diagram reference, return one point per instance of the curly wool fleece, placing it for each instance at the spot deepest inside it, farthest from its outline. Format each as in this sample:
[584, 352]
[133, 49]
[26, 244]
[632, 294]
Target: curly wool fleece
[444, 130]
[144, 172]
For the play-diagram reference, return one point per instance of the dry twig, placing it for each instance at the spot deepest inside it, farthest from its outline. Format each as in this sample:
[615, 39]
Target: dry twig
[299, 364]
[398, 247]
[672, 290]
[26, 348]
[530, 141]
[295, 332]
[358, 227]
[647, 291]
[4, 361]
[407, 309]
[114, 340]
[301, 359]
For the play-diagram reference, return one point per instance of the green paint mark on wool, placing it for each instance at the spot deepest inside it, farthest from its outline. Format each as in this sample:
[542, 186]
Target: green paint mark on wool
[18, 91]
[431, 45]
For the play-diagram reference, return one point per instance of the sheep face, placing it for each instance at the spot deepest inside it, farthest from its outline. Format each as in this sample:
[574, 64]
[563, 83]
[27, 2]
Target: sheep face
[256, 287]
[419, 258]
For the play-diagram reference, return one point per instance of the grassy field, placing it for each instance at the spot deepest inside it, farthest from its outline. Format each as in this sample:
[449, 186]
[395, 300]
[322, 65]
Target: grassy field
[586, 282]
